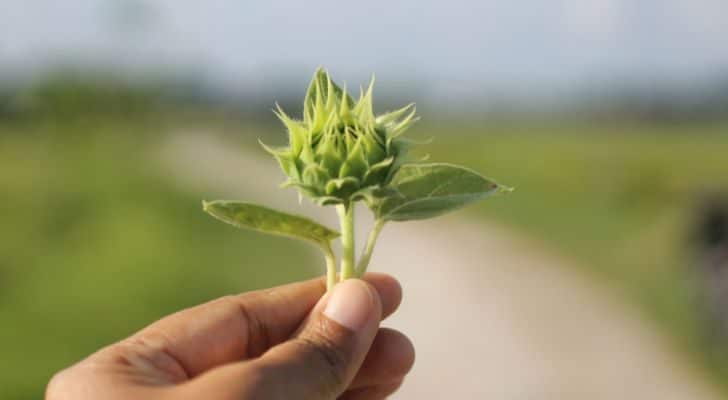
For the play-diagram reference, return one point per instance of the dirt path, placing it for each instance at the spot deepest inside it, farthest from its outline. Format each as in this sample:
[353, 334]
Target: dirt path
[491, 315]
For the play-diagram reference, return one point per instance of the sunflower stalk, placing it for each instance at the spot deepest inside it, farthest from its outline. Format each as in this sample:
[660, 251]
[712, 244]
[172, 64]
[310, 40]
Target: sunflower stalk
[348, 245]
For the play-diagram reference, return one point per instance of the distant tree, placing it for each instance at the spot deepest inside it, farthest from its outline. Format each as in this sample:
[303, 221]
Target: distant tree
[70, 93]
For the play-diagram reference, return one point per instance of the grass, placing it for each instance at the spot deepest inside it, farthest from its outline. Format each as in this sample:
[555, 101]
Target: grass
[619, 198]
[94, 245]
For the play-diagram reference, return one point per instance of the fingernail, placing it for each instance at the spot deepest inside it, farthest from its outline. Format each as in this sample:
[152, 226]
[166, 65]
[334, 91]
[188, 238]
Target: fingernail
[350, 304]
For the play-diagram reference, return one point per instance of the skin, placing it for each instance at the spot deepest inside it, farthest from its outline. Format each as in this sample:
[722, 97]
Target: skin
[279, 343]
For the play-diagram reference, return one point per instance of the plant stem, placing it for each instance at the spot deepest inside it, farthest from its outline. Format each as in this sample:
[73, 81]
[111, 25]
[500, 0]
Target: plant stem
[346, 219]
[330, 267]
[361, 268]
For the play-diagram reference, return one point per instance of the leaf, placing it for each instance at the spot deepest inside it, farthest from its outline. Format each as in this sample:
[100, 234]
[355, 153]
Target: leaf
[263, 219]
[429, 190]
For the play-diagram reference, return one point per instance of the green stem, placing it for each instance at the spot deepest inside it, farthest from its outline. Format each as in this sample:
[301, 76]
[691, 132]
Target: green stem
[346, 219]
[330, 267]
[361, 268]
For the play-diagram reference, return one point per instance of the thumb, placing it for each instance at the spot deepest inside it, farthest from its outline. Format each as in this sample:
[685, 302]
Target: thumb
[322, 358]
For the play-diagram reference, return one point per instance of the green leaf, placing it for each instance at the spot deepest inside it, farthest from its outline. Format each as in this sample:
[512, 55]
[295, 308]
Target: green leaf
[263, 219]
[342, 187]
[429, 190]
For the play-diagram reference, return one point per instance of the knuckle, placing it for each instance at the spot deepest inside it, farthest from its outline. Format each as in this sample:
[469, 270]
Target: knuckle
[329, 358]
[258, 334]
[152, 353]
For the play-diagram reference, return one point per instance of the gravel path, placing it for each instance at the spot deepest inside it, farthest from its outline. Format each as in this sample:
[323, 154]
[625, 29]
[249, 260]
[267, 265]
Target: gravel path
[492, 316]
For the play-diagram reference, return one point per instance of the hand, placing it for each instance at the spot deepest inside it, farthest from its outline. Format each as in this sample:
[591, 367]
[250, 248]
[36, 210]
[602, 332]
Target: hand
[287, 343]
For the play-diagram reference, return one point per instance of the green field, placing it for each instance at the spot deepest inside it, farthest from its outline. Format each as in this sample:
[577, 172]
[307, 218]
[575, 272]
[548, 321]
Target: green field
[95, 242]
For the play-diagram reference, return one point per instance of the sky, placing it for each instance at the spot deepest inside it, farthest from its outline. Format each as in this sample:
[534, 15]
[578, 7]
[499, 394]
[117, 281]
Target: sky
[455, 47]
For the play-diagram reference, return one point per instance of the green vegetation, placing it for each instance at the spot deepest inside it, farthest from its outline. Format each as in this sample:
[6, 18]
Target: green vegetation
[95, 244]
[619, 198]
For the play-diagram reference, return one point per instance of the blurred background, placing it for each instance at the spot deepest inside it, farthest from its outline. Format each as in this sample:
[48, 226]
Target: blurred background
[605, 275]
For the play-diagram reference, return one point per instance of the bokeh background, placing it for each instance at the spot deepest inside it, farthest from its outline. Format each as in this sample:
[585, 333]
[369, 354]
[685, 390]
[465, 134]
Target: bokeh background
[610, 117]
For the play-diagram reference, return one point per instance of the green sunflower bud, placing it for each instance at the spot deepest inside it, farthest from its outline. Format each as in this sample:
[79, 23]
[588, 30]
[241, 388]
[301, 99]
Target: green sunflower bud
[340, 152]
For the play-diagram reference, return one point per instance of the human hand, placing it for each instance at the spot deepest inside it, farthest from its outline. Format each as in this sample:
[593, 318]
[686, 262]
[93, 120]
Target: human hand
[288, 342]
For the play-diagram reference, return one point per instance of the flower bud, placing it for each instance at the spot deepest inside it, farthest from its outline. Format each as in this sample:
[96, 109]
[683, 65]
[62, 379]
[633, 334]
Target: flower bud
[340, 152]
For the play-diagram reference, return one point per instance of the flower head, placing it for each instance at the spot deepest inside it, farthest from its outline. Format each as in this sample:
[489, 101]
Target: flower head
[341, 152]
